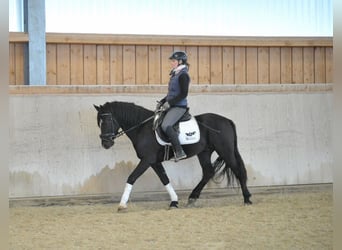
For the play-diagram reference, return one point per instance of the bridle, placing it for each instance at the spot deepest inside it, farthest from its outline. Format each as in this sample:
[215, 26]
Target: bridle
[111, 135]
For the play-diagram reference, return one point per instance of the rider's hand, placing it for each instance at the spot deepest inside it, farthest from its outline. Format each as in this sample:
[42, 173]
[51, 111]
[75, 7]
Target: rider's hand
[159, 105]
[166, 106]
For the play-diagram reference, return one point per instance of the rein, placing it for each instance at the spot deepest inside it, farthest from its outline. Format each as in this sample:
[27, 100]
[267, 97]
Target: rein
[122, 132]
[112, 135]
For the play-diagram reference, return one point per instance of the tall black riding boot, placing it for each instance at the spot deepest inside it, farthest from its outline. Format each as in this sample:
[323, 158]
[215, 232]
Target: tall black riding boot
[177, 148]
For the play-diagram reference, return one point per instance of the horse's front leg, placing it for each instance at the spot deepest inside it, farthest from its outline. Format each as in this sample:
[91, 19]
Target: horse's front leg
[137, 172]
[160, 171]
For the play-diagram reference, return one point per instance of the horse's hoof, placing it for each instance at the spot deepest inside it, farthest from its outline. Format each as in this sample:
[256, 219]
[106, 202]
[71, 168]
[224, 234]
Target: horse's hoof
[191, 202]
[122, 209]
[173, 205]
[247, 203]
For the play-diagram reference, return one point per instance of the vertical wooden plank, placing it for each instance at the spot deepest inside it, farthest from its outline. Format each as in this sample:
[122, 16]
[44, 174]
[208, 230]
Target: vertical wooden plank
[203, 65]
[297, 65]
[319, 65]
[192, 52]
[216, 65]
[89, 60]
[63, 64]
[154, 74]
[228, 65]
[308, 64]
[51, 64]
[20, 63]
[166, 51]
[102, 63]
[240, 65]
[285, 65]
[129, 64]
[142, 64]
[116, 64]
[329, 64]
[76, 64]
[263, 65]
[252, 65]
[178, 48]
[274, 65]
[11, 64]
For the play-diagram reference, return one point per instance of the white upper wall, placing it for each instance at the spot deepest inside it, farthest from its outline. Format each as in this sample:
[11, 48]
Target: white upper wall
[185, 17]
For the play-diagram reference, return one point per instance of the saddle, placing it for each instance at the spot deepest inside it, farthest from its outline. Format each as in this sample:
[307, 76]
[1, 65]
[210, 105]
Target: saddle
[186, 126]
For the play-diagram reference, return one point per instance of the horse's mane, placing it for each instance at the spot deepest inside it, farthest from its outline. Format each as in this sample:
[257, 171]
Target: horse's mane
[128, 112]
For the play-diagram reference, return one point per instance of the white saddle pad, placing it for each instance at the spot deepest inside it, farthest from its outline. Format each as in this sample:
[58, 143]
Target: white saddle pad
[189, 133]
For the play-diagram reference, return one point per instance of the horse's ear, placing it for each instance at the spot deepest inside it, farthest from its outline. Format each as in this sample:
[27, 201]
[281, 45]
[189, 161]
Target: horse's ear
[96, 107]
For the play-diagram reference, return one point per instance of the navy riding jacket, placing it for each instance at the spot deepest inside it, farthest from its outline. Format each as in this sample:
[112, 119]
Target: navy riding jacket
[178, 89]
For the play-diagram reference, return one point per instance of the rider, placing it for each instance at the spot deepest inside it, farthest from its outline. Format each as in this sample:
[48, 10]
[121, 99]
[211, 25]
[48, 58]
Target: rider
[175, 102]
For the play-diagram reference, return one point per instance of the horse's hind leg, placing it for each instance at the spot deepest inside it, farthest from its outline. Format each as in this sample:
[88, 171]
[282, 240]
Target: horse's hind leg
[160, 171]
[208, 172]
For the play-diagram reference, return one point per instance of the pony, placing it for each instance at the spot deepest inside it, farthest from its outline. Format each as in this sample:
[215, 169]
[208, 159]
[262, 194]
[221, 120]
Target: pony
[218, 134]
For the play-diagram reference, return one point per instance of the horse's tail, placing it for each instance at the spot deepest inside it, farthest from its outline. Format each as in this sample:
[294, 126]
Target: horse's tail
[222, 169]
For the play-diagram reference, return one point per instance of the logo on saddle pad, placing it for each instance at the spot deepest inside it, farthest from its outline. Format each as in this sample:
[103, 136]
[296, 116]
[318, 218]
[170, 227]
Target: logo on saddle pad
[189, 133]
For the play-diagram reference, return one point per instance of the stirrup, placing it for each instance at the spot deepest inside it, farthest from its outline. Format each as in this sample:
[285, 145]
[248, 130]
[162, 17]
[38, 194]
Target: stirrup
[180, 157]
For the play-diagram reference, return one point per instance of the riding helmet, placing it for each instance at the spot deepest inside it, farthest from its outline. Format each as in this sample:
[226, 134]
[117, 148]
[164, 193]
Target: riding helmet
[179, 55]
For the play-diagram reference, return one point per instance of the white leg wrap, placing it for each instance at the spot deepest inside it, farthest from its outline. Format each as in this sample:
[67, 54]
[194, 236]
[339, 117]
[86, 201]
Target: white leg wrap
[125, 195]
[171, 192]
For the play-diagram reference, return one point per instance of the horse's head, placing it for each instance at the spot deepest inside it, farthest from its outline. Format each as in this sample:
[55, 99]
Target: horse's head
[108, 125]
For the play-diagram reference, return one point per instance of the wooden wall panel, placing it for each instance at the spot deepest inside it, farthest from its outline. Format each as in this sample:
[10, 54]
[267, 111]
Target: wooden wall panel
[285, 65]
[252, 65]
[263, 65]
[192, 52]
[103, 64]
[240, 65]
[20, 63]
[116, 64]
[63, 64]
[228, 65]
[142, 64]
[308, 57]
[216, 75]
[12, 64]
[329, 61]
[76, 64]
[73, 60]
[89, 54]
[165, 64]
[297, 65]
[154, 69]
[319, 65]
[203, 65]
[129, 64]
[275, 65]
[51, 64]
[178, 48]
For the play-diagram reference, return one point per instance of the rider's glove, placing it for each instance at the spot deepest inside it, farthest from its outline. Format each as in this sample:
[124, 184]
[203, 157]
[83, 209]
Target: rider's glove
[159, 105]
[166, 106]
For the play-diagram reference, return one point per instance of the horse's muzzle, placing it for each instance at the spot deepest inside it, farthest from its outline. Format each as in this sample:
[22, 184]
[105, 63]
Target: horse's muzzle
[107, 144]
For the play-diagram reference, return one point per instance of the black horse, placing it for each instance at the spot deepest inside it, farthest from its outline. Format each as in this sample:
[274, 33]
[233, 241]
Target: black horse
[217, 134]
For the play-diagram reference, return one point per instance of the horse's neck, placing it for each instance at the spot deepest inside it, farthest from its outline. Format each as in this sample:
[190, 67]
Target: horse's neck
[126, 115]
[123, 121]
[123, 117]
